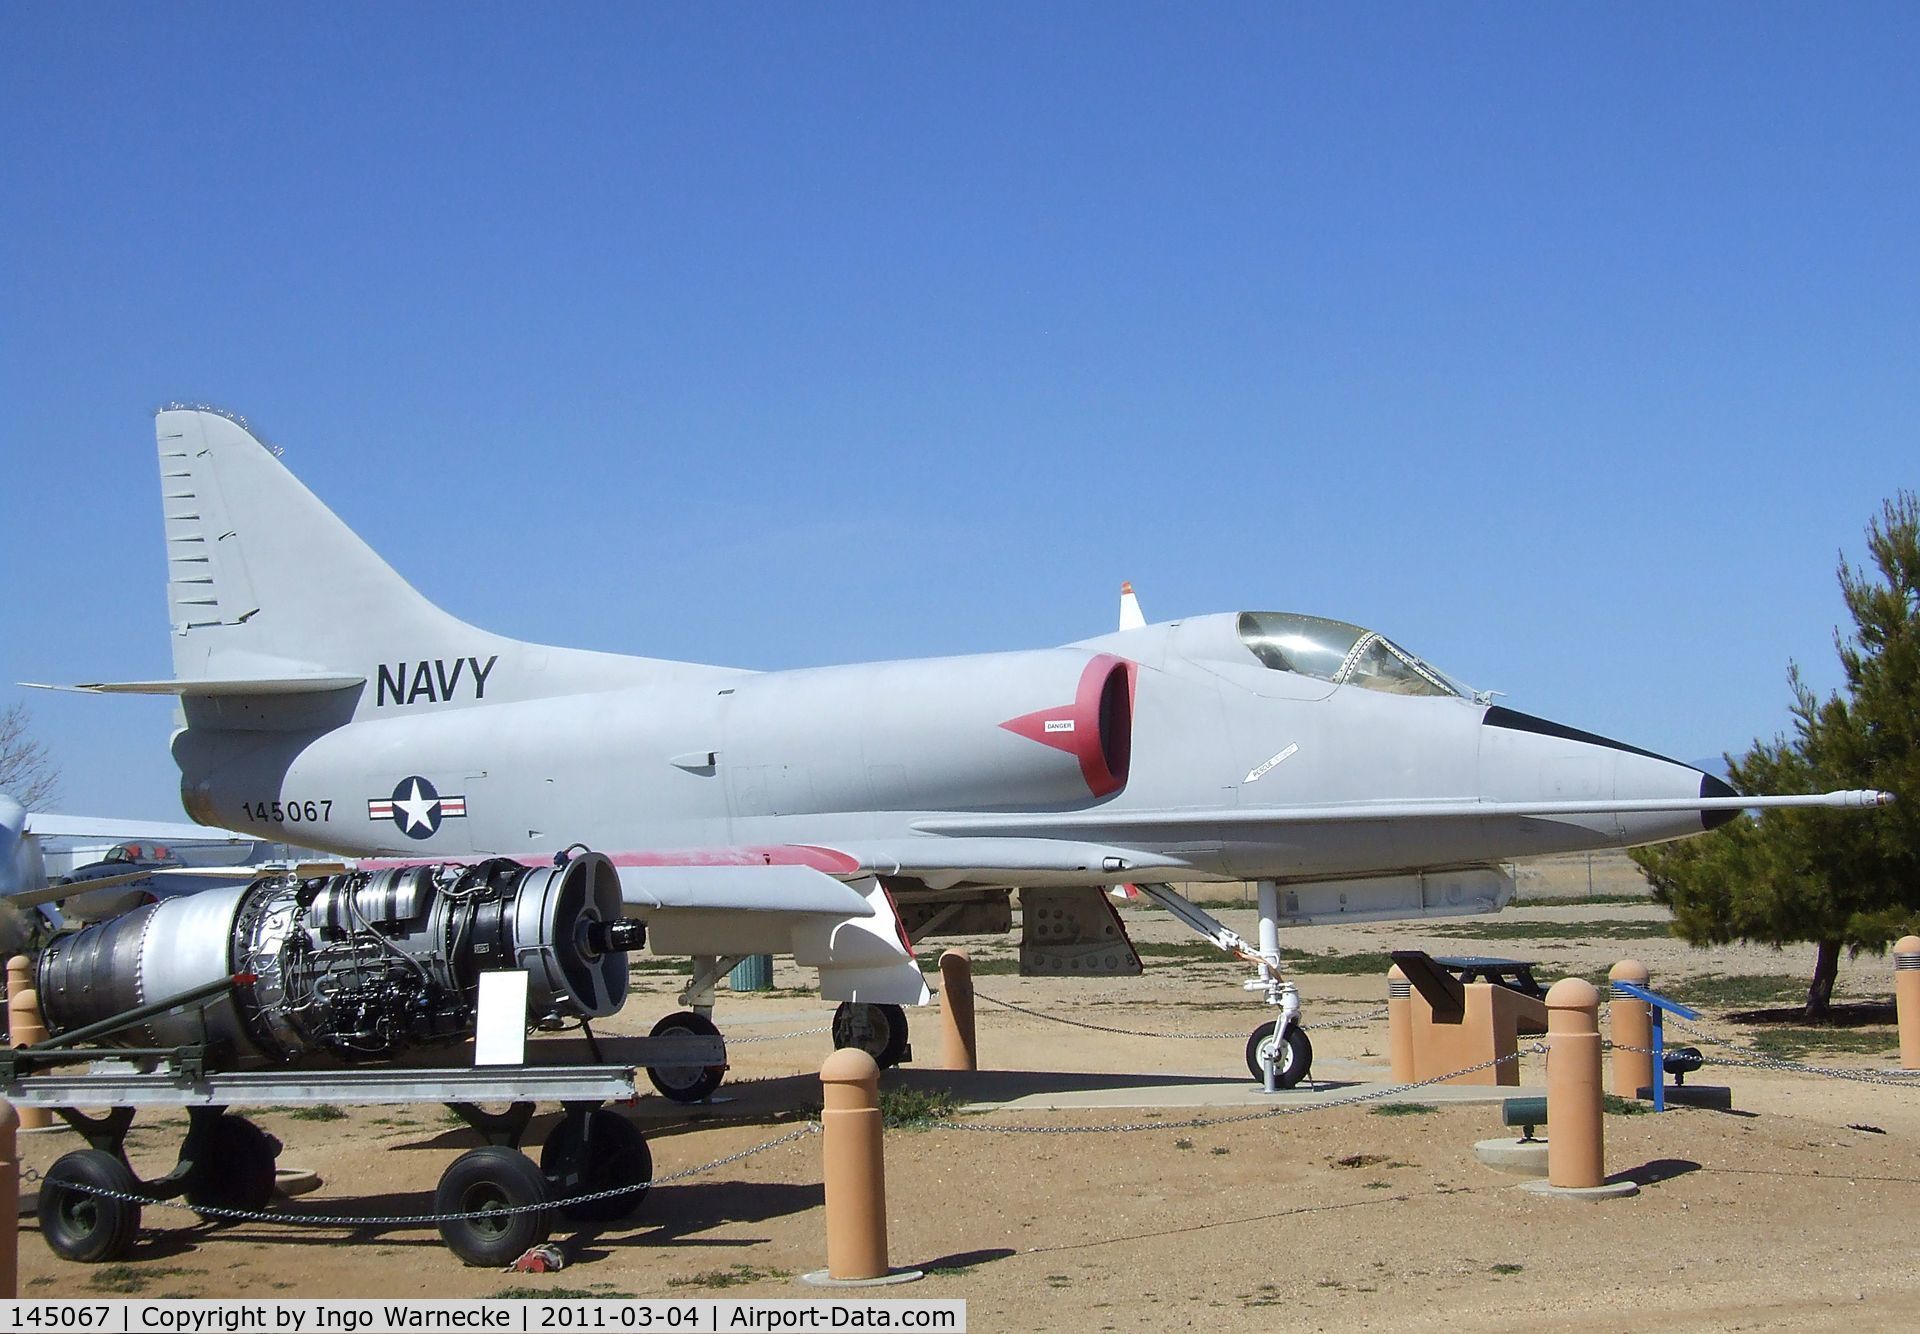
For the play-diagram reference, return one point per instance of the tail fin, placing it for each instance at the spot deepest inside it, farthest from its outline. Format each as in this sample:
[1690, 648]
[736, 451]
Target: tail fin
[262, 579]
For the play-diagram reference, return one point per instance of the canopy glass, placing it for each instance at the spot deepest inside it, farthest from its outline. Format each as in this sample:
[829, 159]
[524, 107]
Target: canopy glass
[1343, 654]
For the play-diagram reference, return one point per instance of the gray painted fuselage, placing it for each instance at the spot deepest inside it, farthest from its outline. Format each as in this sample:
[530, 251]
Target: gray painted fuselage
[327, 703]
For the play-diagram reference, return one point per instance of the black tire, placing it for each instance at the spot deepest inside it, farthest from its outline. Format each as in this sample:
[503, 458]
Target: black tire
[878, 1030]
[493, 1178]
[233, 1167]
[686, 1083]
[82, 1226]
[1296, 1056]
[588, 1154]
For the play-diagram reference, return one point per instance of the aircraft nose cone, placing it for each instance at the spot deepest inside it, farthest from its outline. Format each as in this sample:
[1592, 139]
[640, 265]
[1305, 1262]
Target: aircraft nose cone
[1527, 758]
[1713, 787]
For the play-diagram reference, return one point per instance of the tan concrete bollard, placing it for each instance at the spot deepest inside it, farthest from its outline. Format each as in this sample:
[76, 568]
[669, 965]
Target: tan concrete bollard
[9, 1194]
[856, 1175]
[1906, 998]
[1400, 1025]
[19, 974]
[1576, 1145]
[957, 1047]
[1630, 1024]
[24, 1028]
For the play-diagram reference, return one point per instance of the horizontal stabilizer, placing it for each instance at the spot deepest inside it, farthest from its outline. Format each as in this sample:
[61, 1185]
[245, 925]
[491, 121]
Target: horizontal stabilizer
[238, 685]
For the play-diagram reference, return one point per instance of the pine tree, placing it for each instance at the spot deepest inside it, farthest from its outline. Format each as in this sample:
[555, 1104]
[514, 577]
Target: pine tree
[1835, 878]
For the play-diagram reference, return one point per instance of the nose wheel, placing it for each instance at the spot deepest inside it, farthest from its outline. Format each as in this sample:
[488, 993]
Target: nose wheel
[1292, 1056]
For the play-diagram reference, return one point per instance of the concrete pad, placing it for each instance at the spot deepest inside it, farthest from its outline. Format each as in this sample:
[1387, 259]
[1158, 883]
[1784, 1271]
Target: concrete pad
[1606, 1190]
[1334, 1081]
[819, 1278]
[1523, 1157]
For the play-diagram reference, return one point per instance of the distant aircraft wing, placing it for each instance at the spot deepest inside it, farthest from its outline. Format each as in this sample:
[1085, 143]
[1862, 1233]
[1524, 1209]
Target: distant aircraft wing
[43, 825]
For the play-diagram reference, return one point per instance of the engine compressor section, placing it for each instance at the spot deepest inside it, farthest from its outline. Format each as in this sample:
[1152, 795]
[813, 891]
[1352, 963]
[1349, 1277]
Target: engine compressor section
[356, 967]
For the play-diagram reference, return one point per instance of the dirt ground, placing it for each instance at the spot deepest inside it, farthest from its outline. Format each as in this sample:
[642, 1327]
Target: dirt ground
[1799, 1210]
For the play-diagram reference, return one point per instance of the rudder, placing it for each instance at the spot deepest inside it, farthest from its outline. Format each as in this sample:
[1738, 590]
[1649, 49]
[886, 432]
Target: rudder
[262, 578]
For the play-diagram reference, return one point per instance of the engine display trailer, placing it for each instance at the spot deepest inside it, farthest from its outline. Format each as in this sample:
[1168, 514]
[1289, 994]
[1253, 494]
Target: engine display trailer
[491, 1204]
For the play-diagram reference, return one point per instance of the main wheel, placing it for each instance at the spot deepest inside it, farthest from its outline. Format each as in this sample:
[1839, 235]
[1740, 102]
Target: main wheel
[588, 1154]
[878, 1030]
[496, 1180]
[80, 1225]
[1295, 1055]
[686, 1083]
[233, 1167]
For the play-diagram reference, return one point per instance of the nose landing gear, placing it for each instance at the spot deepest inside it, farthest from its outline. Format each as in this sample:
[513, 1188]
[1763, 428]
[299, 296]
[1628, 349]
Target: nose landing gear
[1277, 1064]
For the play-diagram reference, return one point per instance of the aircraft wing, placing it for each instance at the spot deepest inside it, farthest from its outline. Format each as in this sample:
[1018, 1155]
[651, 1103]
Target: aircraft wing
[814, 879]
[1030, 862]
[1162, 822]
[651, 890]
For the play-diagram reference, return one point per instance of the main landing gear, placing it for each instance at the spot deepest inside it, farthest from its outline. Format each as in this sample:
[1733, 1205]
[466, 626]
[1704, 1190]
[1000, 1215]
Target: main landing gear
[693, 1083]
[1279, 1054]
[878, 1030]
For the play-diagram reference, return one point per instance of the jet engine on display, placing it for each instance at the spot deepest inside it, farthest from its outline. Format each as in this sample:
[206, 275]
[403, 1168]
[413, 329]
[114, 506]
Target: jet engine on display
[357, 967]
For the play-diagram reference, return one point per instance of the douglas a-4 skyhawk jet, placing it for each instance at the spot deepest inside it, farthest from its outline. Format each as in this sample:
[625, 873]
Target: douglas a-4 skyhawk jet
[835, 814]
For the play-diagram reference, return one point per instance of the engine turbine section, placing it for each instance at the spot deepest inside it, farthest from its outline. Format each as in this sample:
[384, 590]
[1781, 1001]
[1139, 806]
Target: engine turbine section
[357, 966]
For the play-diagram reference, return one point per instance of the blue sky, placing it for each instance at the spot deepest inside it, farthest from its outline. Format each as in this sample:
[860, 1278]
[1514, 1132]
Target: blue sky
[1568, 345]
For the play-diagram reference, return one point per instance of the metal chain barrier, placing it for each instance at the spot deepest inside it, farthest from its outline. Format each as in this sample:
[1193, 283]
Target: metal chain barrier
[1099, 1028]
[1202, 1122]
[780, 1037]
[1238, 1033]
[1372, 1017]
[340, 1220]
[1889, 1078]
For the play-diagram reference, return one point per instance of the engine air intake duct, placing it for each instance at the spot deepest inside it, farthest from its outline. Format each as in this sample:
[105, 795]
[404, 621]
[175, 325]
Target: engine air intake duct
[357, 966]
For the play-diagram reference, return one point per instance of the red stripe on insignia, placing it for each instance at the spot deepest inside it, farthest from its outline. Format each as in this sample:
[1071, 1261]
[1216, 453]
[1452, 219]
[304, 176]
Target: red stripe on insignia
[453, 805]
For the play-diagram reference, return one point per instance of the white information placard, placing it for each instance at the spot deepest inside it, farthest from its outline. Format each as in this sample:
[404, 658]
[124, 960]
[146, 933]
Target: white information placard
[500, 1036]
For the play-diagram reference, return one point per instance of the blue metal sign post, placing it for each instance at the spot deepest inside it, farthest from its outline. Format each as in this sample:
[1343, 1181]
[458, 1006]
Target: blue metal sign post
[1661, 1004]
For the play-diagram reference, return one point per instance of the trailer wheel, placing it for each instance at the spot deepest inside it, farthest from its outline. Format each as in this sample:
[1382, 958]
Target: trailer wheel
[585, 1157]
[80, 1225]
[493, 1178]
[686, 1083]
[233, 1167]
[1295, 1056]
[878, 1030]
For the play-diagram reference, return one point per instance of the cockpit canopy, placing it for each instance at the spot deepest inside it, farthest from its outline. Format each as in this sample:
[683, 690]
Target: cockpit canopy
[1341, 653]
